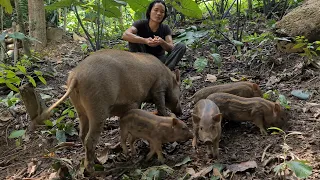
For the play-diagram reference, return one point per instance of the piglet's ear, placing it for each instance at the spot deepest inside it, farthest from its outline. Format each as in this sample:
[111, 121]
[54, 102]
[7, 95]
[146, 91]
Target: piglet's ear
[175, 121]
[177, 73]
[277, 108]
[195, 118]
[217, 118]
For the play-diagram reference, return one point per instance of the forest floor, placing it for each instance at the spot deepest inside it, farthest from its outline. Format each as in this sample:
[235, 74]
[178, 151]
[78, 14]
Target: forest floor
[240, 142]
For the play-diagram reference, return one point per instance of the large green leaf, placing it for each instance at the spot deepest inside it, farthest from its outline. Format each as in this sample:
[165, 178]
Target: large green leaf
[16, 134]
[200, 64]
[17, 35]
[301, 169]
[187, 7]
[108, 3]
[7, 6]
[138, 6]
[61, 136]
[62, 4]
[109, 11]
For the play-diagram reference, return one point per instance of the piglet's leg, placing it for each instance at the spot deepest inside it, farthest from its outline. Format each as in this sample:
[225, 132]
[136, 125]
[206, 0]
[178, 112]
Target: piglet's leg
[215, 153]
[258, 121]
[123, 139]
[159, 152]
[195, 137]
[132, 140]
[152, 151]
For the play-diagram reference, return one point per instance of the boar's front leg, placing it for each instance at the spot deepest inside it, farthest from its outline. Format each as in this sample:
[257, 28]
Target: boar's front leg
[123, 139]
[258, 121]
[132, 140]
[159, 101]
[215, 153]
[195, 136]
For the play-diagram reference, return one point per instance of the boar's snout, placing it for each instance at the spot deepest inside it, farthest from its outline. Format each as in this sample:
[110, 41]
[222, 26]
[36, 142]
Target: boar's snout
[177, 110]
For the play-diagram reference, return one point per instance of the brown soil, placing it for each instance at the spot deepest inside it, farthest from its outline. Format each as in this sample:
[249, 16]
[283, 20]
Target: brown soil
[240, 142]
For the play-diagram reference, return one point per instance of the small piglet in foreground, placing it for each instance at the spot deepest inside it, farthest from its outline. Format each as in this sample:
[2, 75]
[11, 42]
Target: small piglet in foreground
[207, 118]
[155, 129]
[243, 89]
[261, 112]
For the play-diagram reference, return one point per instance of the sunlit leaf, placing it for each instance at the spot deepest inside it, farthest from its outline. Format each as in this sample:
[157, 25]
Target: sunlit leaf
[7, 6]
[16, 134]
[301, 169]
[32, 81]
[187, 7]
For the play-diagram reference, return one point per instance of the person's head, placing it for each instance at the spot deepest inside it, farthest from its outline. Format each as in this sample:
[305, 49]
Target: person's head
[157, 11]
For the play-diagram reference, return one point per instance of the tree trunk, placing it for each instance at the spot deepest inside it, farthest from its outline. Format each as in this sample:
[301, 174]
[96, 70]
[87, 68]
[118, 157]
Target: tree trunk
[37, 23]
[250, 9]
[65, 19]
[25, 42]
[2, 45]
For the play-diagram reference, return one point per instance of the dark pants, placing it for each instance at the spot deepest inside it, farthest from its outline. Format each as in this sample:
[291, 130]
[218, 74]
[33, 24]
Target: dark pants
[170, 60]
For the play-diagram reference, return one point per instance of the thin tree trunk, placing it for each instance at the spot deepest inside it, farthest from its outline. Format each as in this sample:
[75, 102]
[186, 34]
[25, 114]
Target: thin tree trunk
[38, 23]
[25, 41]
[15, 44]
[250, 9]
[3, 44]
[65, 19]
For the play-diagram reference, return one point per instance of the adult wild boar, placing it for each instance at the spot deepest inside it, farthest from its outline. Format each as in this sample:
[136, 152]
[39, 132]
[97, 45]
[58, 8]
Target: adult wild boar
[111, 82]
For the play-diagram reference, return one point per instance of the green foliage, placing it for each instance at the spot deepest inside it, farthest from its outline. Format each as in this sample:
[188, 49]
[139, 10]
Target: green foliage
[308, 48]
[187, 7]
[200, 64]
[60, 128]
[10, 75]
[300, 168]
[274, 95]
[257, 38]
[7, 6]
[217, 60]
[190, 35]
[17, 135]
[10, 100]
[187, 83]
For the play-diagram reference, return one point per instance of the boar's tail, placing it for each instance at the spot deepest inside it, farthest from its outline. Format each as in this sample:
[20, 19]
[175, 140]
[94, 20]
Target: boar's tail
[46, 114]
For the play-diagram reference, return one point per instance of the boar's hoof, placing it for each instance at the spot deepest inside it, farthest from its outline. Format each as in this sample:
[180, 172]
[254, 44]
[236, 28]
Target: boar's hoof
[263, 132]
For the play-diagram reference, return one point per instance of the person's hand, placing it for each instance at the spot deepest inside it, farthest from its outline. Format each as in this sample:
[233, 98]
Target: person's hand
[158, 40]
[151, 42]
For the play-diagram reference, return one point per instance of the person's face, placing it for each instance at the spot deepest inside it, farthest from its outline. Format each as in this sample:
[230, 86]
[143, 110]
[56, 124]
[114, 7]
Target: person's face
[157, 12]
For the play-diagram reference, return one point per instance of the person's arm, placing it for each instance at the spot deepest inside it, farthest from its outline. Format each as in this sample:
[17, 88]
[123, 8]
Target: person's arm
[130, 35]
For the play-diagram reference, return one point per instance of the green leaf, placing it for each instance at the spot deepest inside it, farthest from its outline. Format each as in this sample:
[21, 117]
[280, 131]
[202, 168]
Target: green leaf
[294, 133]
[110, 11]
[7, 6]
[200, 64]
[10, 74]
[22, 69]
[48, 123]
[62, 4]
[16, 133]
[71, 113]
[299, 45]
[3, 36]
[301, 169]
[69, 129]
[138, 6]
[17, 35]
[65, 111]
[237, 43]
[61, 136]
[185, 161]
[60, 119]
[42, 80]
[217, 59]
[187, 7]
[275, 128]
[33, 82]
[38, 73]
[12, 87]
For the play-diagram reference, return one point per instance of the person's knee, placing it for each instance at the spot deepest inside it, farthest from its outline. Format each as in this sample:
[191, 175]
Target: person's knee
[181, 46]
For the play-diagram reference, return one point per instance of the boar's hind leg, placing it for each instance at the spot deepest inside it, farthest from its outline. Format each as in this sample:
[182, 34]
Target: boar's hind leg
[96, 119]
[152, 151]
[258, 121]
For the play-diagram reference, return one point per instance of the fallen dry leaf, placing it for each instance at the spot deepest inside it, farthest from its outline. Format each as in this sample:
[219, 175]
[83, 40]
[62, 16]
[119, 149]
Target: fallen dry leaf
[272, 80]
[190, 171]
[32, 167]
[103, 158]
[234, 79]
[195, 78]
[203, 172]
[211, 78]
[6, 116]
[242, 166]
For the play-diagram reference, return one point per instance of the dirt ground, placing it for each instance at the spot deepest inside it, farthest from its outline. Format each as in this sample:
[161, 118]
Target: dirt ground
[240, 142]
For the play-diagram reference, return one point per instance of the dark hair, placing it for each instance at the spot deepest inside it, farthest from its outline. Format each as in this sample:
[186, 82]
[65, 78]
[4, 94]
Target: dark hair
[151, 6]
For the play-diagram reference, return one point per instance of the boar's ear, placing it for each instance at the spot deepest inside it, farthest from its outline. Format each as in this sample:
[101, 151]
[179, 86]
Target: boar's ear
[217, 118]
[175, 121]
[177, 73]
[255, 86]
[195, 118]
